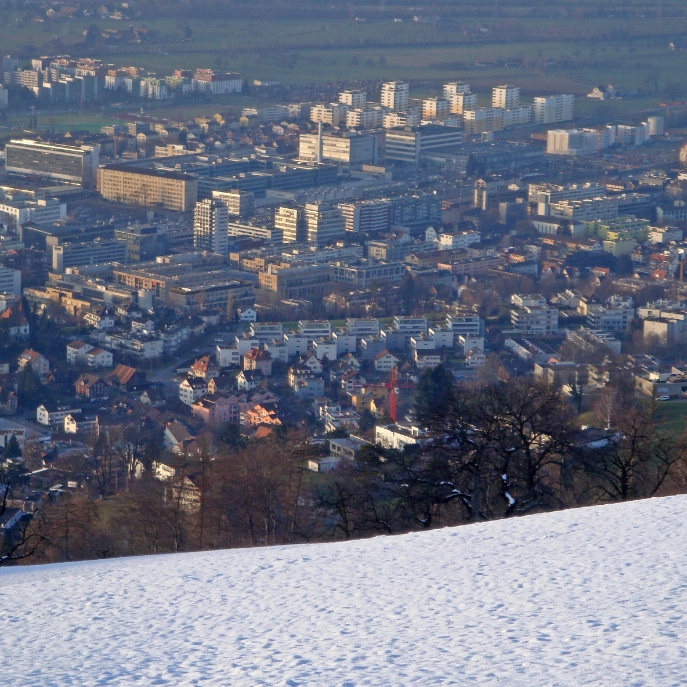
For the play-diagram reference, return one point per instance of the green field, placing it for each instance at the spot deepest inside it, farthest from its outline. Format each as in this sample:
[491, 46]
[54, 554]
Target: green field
[631, 53]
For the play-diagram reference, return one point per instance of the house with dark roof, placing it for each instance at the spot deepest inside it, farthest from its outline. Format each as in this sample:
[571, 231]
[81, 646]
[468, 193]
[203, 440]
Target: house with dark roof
[126, 378]
[91, 387]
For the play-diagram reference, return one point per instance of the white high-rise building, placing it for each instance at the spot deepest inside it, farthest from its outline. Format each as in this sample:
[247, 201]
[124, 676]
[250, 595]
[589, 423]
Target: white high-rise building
[553, 108]
[434, 108]
[505, 96]
[455, 87]
[460, 102]
[291, 222]
[353, 98]
[325, 223]
[211, 226]
[395, 95]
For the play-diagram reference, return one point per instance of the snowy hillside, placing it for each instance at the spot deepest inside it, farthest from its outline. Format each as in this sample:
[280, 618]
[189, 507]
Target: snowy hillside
[595, 596]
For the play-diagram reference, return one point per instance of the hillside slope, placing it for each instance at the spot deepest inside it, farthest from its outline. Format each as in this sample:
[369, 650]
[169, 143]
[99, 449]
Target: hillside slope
[594, 596]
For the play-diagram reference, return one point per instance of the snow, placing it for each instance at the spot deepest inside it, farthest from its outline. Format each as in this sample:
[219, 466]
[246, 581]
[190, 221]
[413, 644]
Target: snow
[594, 596]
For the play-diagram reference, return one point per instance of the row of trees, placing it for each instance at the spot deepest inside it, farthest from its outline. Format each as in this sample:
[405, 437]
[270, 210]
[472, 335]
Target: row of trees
[493, 451]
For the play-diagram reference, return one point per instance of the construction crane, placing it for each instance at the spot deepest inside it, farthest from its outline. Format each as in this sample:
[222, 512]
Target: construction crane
[394, 390]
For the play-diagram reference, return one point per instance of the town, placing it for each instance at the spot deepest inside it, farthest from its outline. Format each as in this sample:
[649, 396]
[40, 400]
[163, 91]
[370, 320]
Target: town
[286, 288]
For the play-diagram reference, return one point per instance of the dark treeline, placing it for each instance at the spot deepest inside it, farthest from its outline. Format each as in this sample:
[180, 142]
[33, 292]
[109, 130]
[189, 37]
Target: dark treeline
[496, 450]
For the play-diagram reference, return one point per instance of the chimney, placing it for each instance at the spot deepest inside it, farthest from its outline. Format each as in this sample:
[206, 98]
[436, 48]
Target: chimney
[319, 142]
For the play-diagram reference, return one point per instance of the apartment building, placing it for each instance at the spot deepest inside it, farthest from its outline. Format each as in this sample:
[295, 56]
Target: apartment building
[505, 96]
[459, 103]
[291, 222]
[331, 113]
[353, 98]
[482, 119]
[365, 118]
[393, 120]
[455, 88]
[551, 109]
[435, 108]
[148, 187]
[395, 95]
[210, 226]
[533, 315]
[210, 81]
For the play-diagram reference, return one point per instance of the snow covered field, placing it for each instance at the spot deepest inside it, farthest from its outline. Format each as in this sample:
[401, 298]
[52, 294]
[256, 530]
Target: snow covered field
[594, 596]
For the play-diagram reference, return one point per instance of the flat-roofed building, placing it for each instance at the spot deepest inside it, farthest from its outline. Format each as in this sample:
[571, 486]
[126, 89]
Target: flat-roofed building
[482, 119]
[395, 95]
[296, 281]
[291, 223]
[407, 144]
[353, 98]
[239, 203]
[210, 226]
[367, 215]
[72, 164]
[325, 223]
[351, 148]
[505, 96]
[230, 295]
[148, 187]
[96, 252]
[550, 109]
[460, 102]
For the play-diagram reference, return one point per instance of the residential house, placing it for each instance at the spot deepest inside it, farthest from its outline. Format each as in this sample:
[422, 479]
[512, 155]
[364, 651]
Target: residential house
[153, 396]
[99, 357]
[14, 321]
[177, 437]
[205, 368]
[51, 414]
[312, 362]
[258, 415]
[191, 389]
[101, 318]
[77, 350]
[475, 357]
[91, 387]
[186, 494]
[222, 384]
[126, 378]
[426, 360]
[80, 424]
[39, 363]
[247, 380]
[258, 359]
[216, 409]
[8, 401]
[385, 361]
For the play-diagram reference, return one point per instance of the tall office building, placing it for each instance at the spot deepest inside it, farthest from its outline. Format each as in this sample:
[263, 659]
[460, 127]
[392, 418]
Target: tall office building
[553, 108]
[395, 95]
[210, 226]
[239, 203]
[291, 222]
[505, 96]
[325, 223]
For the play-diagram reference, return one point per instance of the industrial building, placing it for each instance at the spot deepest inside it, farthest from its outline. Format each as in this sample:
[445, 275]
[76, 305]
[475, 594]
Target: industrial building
[148, 187]
[70, 164]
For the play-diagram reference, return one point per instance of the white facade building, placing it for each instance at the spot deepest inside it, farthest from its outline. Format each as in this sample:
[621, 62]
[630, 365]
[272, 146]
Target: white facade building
[210, 226]
[553, 108]
[505, 96]
[395, 95]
